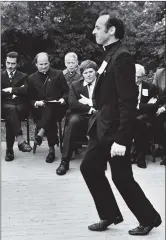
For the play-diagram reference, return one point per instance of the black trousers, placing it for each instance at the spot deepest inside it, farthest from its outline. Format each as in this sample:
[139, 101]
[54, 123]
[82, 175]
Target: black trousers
[92, 168]
[142, 133]
[75, 129]
[46, 118]
[13, 114]
[160, 130]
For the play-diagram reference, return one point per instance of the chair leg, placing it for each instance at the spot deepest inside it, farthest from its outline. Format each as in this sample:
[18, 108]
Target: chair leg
[35, 145]
[28, 137]
[60, 135]
[153, 150]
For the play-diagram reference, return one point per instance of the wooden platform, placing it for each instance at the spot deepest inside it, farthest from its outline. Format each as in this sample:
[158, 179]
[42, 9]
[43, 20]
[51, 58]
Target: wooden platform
[37, 204]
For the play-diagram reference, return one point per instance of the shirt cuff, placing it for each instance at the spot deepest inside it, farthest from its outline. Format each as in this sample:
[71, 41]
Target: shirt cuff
[90, 110]
[35, 105]
[90, 103]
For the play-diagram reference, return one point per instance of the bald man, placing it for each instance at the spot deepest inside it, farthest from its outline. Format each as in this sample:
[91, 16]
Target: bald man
[146, 109]
[45, 85]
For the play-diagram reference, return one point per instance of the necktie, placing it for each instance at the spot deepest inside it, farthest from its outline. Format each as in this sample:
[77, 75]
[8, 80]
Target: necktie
[11, 75]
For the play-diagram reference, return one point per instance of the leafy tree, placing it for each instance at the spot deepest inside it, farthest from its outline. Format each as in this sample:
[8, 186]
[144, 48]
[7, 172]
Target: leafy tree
[59, 27]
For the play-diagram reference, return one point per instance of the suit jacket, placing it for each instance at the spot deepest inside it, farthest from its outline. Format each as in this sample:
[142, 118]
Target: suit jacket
[148, 91]
[19, 87]
[115, 97]
[55, 87]
[77, 88]
[72, 77]
[160, 83]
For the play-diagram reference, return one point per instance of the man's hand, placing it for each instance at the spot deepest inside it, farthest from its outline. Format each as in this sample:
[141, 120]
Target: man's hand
[9, 89]
[160, 110]
[14, 96]
[39, 103]
[152, 100]
[92, 110]
[117, 150]
[61, 100]
[84, 100]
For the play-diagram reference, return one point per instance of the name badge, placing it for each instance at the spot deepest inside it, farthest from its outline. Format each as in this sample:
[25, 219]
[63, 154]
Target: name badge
[102, 68]
[145, 92]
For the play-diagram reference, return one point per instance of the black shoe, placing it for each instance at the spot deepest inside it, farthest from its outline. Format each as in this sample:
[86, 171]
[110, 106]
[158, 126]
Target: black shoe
[9, 155]
[103, 224]
[144, 230]
[50, 157]
[24, 147]
[141, 161]
[38, 140]
[163, 162]
[63, 168]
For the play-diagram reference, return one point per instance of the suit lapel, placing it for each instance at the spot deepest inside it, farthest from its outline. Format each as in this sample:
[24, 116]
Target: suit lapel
[5, 80]
[144, 87]
[107, 58]
[84, 90]
[16, 78]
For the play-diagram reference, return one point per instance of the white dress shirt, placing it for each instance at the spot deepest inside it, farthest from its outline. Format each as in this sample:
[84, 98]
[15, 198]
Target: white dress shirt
[90, 87]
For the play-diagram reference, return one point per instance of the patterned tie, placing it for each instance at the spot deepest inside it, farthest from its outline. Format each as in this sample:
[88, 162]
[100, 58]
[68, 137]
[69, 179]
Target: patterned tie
[11, 75]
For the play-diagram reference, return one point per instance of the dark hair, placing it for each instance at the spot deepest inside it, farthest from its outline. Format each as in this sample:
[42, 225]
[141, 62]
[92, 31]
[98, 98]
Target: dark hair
[35, 59]
[114, 20]
[87, 64]
[12, 55]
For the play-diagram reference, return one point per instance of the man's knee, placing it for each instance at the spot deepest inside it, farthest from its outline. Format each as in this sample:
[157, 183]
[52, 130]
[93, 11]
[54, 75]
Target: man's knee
[9, 108]
[74, 119]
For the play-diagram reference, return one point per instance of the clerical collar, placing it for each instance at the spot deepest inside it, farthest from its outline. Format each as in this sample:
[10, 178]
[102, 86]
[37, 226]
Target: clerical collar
[108, 47]
[45, 74]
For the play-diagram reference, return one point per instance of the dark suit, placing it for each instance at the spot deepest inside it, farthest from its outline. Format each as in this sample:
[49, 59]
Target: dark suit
[14, 110]
[51, 86]
[160, 83]
[145, 117]
[77, 122]
[115, 96]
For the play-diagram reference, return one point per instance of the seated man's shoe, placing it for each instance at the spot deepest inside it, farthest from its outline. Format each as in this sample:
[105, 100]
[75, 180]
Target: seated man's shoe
[133, 158]
[144, 230]
[63, 168]
[103, 224]
[163, 162]
[9, 155]
[50, 157]
[141, 161]
[24, 147]
[38, 140]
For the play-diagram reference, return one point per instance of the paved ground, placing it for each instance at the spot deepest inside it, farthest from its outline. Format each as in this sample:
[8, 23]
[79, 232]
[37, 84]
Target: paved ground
[39, 205]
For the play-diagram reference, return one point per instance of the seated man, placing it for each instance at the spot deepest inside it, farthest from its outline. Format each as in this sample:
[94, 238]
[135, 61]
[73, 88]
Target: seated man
[72, 72]
[146, 108]
[48, 94]
[14, 104]
[81, 106]
[160, 83]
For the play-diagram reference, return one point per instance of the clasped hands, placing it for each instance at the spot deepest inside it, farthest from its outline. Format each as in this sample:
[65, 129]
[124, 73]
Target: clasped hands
[160, 109]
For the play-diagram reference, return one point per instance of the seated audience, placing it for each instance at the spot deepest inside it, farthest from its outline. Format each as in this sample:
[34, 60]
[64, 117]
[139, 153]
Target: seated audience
[72, 71]
[160, 83]
[81, 107]
[146, 108]
[14, 104]
[44, 86]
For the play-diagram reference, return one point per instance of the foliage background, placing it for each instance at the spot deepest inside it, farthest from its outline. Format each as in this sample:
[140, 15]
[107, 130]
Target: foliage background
[29, 27]
[59, 27]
